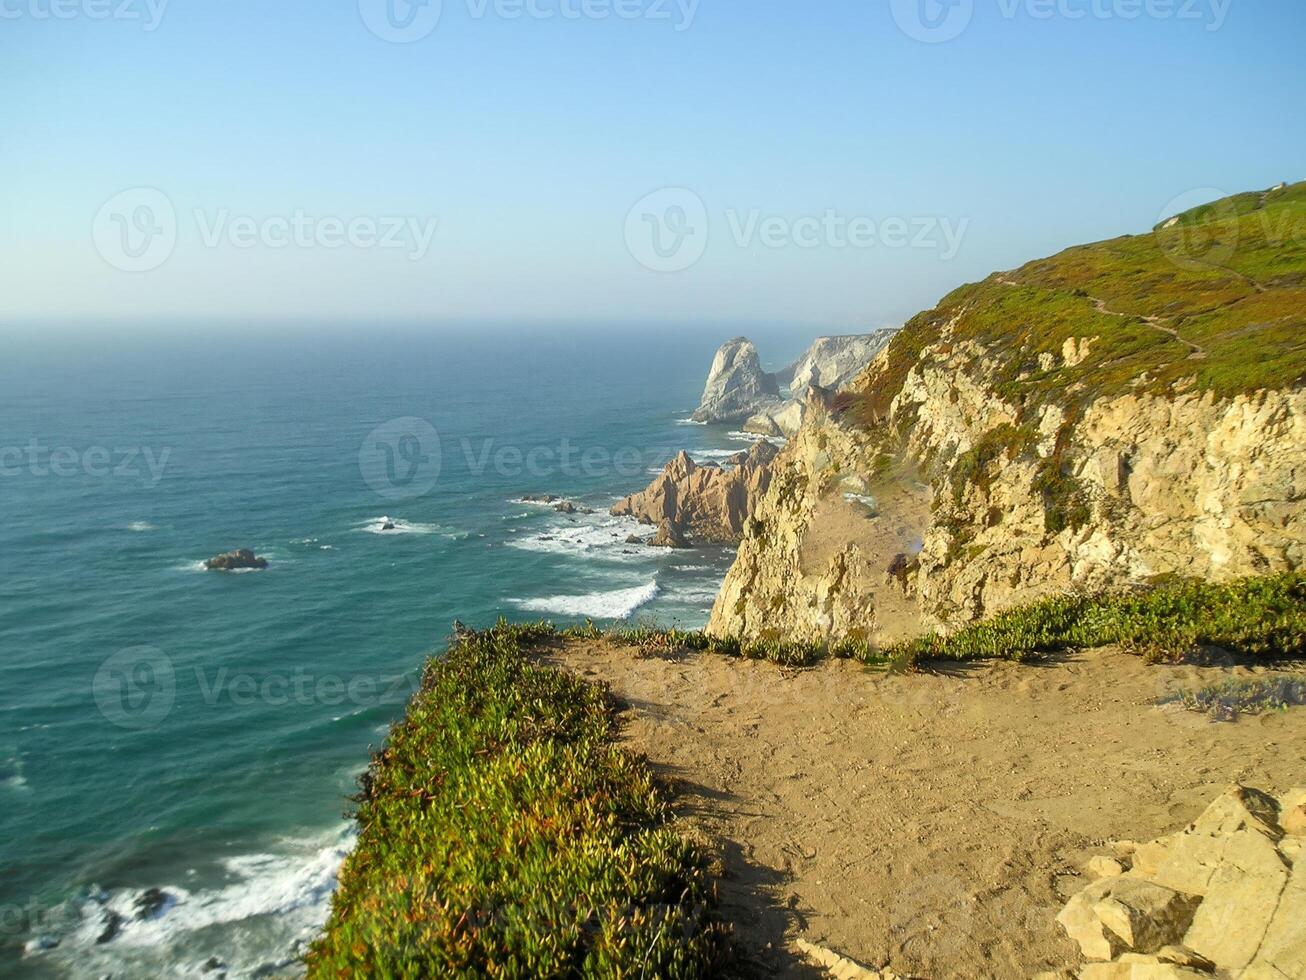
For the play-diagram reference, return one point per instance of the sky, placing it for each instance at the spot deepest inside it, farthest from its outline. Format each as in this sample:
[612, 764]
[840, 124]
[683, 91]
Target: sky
[838, 164]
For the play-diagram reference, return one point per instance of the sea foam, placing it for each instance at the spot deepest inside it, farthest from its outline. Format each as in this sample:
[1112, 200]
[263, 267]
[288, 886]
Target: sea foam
[617, 604]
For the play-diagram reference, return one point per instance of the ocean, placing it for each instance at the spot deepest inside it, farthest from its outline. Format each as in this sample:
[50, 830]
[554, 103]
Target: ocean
[177, 746]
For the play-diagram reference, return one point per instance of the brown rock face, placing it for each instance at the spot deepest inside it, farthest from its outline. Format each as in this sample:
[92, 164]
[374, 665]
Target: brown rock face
[669, 536]
[235, 560]
[706, 503]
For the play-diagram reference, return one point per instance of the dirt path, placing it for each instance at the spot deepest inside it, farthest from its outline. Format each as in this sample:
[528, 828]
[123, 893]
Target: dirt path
[1196, 351]
[932, 823]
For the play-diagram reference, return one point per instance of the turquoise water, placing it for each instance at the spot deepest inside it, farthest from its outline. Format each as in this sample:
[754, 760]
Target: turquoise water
[200, 733]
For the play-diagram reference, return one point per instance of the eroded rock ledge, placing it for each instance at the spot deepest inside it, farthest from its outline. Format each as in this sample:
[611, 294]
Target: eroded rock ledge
[1224, 897]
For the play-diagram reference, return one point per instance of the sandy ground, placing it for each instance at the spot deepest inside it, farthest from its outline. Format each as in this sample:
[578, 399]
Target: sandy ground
[931, 823]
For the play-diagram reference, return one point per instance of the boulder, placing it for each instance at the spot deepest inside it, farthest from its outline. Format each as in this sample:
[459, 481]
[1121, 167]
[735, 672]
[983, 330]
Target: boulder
[1080, 920]
[737, 387]
[1292, 812]
[1098, 867]
[235, 560]
[1137, 966]
[669, 536]
[1144, 915]
[1240, 902]
[1227, 896]
[1241, 808]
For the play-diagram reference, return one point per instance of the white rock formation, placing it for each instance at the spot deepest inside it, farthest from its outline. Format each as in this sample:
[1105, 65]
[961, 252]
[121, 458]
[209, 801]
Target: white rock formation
[832, 362]
[737, 387]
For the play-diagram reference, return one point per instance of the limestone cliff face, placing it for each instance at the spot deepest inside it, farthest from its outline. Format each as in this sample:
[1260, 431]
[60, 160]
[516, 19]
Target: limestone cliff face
[850, 539]
[1033, 435]
[703, 503]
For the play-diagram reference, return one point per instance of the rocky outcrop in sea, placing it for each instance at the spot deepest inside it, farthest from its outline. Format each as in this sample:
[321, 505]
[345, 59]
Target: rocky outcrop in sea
[692, 502]
[738, 390]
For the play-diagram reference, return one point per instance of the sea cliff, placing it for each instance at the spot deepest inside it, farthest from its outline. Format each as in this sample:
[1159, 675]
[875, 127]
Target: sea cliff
[1102, 418]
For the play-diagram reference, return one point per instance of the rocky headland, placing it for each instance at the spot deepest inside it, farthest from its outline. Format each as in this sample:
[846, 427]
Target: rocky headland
[1049, 429]
[1095, 462]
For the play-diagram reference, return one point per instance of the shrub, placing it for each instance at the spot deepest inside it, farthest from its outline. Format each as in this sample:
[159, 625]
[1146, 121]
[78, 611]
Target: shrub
[503, 833]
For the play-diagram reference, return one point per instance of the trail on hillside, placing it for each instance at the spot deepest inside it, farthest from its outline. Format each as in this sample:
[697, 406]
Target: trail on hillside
[931, 823]
[1196, 351]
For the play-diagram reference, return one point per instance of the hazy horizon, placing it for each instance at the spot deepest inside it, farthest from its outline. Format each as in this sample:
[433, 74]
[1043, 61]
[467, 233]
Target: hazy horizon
[629, 160]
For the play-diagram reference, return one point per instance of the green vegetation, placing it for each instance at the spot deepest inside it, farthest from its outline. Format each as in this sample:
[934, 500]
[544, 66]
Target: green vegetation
[1213, 302]
[1227, 700]
[1261, 617]
[1257, 617]
[504, 834]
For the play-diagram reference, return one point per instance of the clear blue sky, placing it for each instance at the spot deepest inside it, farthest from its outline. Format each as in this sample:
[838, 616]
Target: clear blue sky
[529, 139]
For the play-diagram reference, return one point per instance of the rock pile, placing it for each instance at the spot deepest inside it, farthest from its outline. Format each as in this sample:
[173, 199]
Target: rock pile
[1225, 897]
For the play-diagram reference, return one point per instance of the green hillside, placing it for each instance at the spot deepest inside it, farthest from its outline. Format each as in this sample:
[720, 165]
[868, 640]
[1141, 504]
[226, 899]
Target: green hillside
[1212, 300]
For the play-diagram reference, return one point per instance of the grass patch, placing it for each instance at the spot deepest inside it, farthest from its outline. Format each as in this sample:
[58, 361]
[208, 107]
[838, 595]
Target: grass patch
[1229, 699]
[1261, 617]
[1228, 277]
[1255, 618]
[504, 834]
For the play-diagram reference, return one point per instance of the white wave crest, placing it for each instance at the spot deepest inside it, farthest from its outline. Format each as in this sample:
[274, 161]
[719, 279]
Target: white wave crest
[617, 604]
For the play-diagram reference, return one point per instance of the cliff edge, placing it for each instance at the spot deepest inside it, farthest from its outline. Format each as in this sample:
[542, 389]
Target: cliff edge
[1116, 413]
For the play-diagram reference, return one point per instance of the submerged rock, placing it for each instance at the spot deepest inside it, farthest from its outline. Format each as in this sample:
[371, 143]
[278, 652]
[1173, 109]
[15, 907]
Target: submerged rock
[234, 560]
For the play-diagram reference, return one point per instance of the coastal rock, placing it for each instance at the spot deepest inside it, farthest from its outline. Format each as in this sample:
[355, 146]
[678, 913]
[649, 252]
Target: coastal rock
[828, 365]
[832, 362]
[737, 387]
[669, 536]
[1248, 920]
[232, 561]
[1139, 485]
[706, 503]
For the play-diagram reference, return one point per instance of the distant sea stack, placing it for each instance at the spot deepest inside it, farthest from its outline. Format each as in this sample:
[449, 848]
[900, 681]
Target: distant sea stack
[738, 390]
[737, 387]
